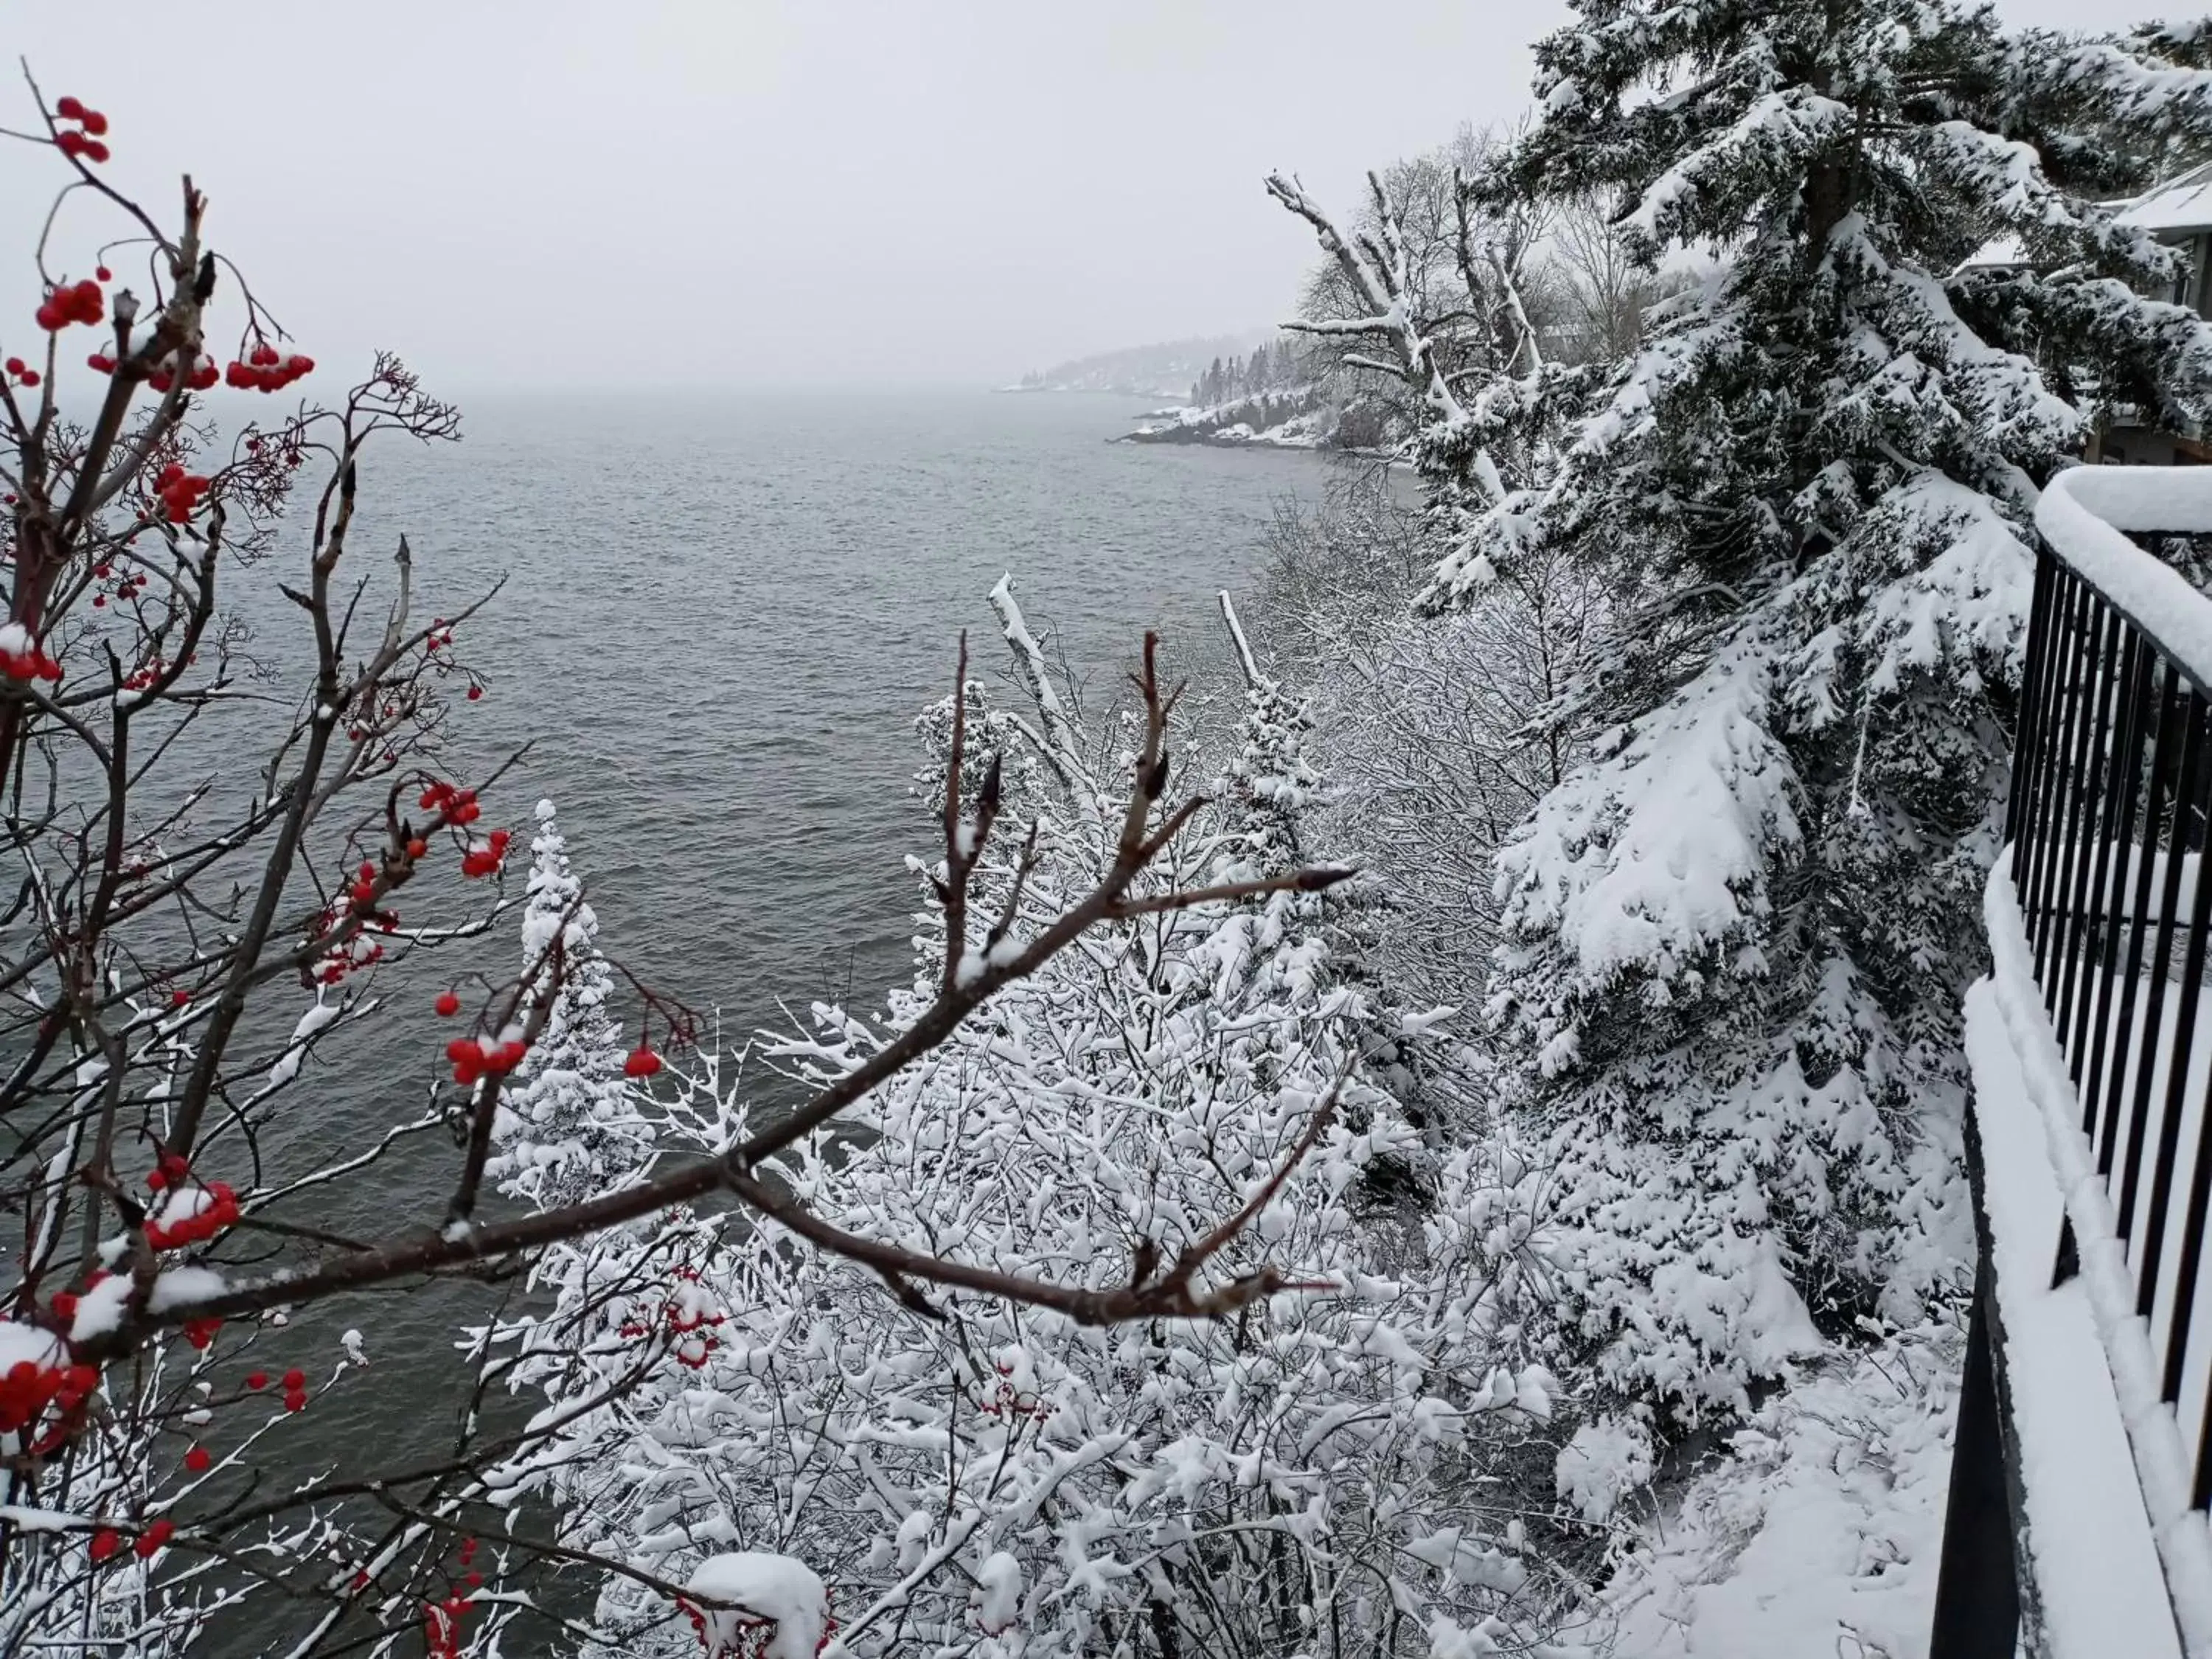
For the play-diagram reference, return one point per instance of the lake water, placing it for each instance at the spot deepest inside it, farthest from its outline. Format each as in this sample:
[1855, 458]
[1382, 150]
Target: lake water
[721, 619]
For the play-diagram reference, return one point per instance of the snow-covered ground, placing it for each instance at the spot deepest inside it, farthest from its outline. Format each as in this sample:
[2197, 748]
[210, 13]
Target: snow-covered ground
[1820, 1535]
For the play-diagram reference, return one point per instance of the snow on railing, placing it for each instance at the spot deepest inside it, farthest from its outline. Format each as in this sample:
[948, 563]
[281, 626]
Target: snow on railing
[2113, 760]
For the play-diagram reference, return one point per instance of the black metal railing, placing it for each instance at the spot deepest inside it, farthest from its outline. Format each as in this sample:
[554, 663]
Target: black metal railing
[2111, 794]
[2112, 790]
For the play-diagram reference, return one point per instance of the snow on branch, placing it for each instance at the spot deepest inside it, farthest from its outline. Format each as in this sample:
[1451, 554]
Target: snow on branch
[1380, 278]
[1061, 751]
[1774, 139]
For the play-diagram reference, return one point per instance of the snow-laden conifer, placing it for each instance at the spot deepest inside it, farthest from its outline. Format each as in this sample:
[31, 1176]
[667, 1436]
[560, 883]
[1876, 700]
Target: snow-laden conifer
[567, 1128]
[1736, 937]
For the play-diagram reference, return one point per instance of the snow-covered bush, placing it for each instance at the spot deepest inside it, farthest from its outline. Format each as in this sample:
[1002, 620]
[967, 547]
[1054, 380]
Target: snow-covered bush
[1328, 1471]
[1440, 734]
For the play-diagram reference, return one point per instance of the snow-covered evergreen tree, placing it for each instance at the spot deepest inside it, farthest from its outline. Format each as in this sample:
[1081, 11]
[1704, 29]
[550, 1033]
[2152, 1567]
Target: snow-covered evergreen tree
[1737, 937]
[567, 1128]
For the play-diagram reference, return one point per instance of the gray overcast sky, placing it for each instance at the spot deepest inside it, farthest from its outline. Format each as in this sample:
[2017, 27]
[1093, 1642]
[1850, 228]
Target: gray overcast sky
[702, 191]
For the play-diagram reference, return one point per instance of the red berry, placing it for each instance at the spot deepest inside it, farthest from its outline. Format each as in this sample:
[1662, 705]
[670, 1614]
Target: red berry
[150, 1541]
[95, 124]
[101, 362]
[15, 365]
[94, 149]
[448, 1006]
[417, 848]
[256, 1381]
[294, 1380]
[30, 377]
[641, 1061]
[68, 109]
[296, 1401]
[179, 998]
[197, 1460]
[103, 273]
[104, 1542]
[475, 692]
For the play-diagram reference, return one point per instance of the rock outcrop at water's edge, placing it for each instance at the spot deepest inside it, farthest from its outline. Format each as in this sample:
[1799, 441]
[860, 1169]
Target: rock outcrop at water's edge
[1289, 417]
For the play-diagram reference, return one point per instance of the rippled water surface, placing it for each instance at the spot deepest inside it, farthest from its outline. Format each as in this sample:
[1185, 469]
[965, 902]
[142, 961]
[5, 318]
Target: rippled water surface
[721, 619]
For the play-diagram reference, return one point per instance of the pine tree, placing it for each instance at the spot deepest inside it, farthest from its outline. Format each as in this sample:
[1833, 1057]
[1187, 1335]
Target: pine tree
[570, 1127]
[1738, 937]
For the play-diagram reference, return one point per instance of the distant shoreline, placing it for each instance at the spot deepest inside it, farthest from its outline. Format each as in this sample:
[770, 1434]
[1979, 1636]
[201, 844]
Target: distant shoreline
[1093, 391]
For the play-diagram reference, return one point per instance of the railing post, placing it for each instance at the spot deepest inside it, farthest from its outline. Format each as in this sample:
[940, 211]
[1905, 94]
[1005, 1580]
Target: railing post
[1977, 1580]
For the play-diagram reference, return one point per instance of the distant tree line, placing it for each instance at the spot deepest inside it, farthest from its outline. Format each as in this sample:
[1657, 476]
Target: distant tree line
[1269, 369]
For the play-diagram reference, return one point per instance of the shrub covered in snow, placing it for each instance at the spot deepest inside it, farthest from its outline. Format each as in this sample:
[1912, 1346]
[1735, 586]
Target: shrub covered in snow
[964, 1471]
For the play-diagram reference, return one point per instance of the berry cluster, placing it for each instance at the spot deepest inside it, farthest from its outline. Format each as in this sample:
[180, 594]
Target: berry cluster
[481, 1057]
[363, 890]
[351, 954]
[295, 1387]
[689, 1315]
[107, 1542]
[484, 857]
[265, 369]
[86, 144]
[743, 1636]
[180, 492]
[21, 373]
[21, 658]
[127, 586]
[200, 376]
[193, 1215]
[451, 804]
[1008, 1401]
[291, 452]
[72, 302]
[441, 1620]
[28, 1389]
